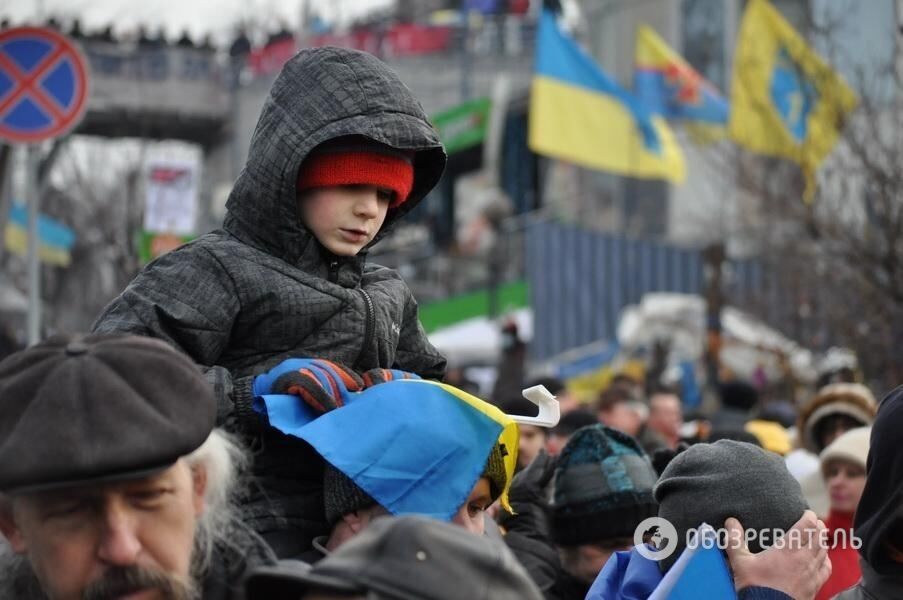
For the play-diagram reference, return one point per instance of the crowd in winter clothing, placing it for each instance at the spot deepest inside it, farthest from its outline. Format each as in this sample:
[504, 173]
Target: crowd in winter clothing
[260, 414]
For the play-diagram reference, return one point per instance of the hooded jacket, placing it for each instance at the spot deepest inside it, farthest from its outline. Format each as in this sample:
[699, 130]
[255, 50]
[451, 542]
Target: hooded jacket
[879, 516]
[241, 299]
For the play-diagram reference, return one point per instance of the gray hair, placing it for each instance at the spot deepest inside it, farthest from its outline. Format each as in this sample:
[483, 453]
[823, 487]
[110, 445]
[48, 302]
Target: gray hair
[223, 459]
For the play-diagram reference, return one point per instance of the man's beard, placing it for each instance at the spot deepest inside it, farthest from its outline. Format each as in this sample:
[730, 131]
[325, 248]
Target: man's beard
[18, 580]
[119, 581]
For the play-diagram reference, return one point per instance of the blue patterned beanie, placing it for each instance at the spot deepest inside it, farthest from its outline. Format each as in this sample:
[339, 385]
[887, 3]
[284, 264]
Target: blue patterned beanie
[603, 487]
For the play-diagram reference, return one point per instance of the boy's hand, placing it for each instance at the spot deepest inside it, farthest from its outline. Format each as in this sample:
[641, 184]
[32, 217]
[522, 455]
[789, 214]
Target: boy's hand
[322, 384]
[377, 376]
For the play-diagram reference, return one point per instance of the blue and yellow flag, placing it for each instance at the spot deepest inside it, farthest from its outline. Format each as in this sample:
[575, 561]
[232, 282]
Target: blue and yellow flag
[665, 84]
[786, 101]
[415, 446]
[55, 240]
[580, 114]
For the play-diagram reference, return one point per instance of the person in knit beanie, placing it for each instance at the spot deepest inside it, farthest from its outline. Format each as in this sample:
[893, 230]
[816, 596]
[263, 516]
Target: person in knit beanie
[602, 489]
[708, 483]
[443, 453]
[344, 500]
[843, 468]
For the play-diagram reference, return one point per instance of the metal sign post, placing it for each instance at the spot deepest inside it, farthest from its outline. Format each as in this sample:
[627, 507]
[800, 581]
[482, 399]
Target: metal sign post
[32, 196]
[43, 93]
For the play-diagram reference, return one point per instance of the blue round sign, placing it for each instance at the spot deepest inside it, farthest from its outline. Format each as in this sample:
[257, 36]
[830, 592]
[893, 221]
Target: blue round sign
[43, 84]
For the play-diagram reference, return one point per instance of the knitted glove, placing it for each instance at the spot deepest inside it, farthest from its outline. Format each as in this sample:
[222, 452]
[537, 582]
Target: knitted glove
[376, 376]
[322, 384]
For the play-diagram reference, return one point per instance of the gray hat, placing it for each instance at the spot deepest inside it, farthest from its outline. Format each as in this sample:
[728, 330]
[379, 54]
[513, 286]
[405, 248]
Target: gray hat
[711, 482]
[404, 558]
[78, 410]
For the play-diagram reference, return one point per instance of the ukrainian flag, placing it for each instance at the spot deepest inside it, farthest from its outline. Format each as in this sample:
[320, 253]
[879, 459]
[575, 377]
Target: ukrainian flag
[579, 114]
[786, 101]
[415, 446]
[665, 84]
[55, 240]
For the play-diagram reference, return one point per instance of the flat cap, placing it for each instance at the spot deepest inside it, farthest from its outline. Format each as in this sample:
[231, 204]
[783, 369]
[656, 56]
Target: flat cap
[87, 409]
[404, 558]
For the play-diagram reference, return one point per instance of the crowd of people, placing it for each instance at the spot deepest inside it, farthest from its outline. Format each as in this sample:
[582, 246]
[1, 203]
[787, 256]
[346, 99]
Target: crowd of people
[260, 414]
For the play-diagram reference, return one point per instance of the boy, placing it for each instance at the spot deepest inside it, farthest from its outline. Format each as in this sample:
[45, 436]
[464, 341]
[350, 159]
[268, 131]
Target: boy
[342, 151]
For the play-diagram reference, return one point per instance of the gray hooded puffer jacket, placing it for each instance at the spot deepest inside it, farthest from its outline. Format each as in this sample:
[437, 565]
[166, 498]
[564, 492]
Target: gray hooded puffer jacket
[241, 299]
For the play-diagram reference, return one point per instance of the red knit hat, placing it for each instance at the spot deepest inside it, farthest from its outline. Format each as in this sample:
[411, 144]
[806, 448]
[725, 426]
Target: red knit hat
[360, 165]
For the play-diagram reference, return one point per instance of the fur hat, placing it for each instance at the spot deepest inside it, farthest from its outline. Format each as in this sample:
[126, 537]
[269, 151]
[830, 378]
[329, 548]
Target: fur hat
[853, 400]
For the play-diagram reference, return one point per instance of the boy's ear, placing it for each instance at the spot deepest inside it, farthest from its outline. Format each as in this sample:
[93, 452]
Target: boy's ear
[9, 528]
[355, 521]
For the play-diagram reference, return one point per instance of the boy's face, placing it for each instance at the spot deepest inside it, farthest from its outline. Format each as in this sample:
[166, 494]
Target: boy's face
[344, 218]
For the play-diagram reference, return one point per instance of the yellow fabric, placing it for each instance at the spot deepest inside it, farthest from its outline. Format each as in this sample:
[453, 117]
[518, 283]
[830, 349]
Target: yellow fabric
[596, 131]
[15, 239]
[771, 435]
[510, 435]
[767, 44]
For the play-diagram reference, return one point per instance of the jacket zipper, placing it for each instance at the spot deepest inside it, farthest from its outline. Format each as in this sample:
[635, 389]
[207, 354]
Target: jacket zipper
[333, 271]
[368, 326]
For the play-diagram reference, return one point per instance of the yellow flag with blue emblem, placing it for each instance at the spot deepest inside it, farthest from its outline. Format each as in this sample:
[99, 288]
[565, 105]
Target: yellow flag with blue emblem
[785, 100]
[580, 114]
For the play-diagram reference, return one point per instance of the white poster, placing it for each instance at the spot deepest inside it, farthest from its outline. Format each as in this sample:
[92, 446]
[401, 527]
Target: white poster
[172, 197]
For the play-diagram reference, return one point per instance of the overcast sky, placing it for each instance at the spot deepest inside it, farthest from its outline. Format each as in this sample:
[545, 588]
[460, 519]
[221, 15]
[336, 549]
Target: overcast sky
[199, 16]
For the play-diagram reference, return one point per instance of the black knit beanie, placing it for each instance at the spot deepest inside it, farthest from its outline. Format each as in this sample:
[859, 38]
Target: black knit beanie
[341, 495]
[602, 487]
[708, 483]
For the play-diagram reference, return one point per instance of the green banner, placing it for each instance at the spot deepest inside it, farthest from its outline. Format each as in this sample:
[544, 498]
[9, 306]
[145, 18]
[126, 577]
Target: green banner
[443, 313]
[463, 126]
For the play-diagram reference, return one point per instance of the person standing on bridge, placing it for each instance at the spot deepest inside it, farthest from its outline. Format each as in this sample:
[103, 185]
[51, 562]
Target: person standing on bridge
[341, 152]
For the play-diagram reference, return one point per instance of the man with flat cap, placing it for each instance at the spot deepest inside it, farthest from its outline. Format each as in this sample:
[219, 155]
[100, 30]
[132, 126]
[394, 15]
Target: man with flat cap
[113, 481]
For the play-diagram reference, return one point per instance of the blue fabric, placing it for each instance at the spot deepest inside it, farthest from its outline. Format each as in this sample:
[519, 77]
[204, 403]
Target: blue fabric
[626, 576]
[698, 568]
[426, 463]
[661, 96]
[689, 388]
